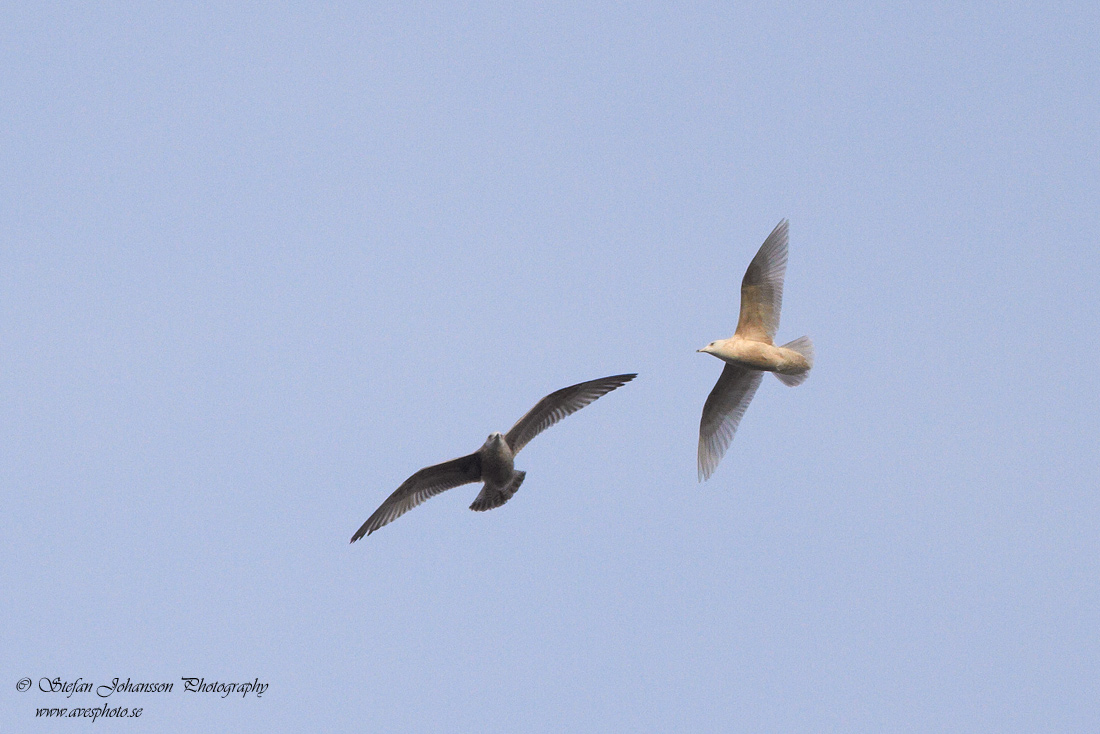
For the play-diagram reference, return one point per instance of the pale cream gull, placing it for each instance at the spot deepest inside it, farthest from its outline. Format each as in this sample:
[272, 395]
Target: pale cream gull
[750, 352]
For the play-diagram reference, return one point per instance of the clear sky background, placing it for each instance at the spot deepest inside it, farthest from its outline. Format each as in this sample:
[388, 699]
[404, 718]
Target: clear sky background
[260, 263]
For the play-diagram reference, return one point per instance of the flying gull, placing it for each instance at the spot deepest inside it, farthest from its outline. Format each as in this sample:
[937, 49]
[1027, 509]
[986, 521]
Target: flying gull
[750, 352]
[493, 462]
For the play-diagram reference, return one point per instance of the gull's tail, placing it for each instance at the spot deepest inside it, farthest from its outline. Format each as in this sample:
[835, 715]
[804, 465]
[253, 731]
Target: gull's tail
[491, 497]
[805, 347]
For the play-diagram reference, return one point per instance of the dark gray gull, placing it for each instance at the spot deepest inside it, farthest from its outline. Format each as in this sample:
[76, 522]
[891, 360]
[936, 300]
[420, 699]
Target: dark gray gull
[750, 352]
[493, 462]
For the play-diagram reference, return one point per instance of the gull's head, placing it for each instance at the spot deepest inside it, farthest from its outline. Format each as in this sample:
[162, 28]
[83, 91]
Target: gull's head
[494, 438]
[708, 349]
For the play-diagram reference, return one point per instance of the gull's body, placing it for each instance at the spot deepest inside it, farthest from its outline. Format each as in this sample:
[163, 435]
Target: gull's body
[759, 356]
[750, 352]
[494, 462]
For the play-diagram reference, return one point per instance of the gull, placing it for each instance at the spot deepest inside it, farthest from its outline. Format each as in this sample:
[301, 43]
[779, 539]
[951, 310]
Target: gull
[750, 352]
[493, 462]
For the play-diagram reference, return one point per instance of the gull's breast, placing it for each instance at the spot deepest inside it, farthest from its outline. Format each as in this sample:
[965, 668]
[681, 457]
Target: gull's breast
[496, 462]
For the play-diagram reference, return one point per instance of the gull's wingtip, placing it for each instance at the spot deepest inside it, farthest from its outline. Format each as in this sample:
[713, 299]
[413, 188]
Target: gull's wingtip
[617, 380]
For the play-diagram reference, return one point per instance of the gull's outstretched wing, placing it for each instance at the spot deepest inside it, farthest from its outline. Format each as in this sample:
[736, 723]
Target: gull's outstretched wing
[722, 412]
[428, 482]
[559, 404]
[762, 288]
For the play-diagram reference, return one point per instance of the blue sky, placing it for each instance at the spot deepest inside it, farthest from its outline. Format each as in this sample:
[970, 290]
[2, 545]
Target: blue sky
[260, 263]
